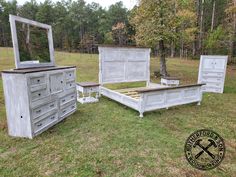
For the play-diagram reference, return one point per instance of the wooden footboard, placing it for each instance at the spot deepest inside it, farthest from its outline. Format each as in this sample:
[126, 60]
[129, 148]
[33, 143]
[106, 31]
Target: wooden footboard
[148, 99]
[152, 99]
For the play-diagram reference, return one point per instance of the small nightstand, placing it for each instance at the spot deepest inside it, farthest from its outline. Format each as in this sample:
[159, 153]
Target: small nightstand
[170, 81]
[85, 91]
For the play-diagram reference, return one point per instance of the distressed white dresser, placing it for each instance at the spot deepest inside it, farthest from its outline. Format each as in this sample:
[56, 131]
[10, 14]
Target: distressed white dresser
[212, 71]
[38, 98]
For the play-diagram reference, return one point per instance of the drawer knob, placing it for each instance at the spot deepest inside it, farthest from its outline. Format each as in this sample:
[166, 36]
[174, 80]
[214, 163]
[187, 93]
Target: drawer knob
[72, 96]
[72, 107]
[63, 100]
[53, 117]
[52, 105]
[39, 94]
[64, 111]
[69, 74]
[38, 111]
[38, 80]
[61, 81]
[39, 125]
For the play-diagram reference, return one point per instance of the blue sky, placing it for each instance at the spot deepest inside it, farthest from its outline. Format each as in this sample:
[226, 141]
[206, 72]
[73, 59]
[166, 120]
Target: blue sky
[105, 3]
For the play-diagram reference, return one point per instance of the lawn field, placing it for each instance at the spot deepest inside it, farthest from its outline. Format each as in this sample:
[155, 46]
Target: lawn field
[109, 139]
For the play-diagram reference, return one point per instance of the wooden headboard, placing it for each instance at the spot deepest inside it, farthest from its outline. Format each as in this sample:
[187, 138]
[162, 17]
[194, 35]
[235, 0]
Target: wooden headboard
[123, 64]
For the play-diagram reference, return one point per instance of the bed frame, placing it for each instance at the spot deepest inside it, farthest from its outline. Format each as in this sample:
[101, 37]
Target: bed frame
[120, 65]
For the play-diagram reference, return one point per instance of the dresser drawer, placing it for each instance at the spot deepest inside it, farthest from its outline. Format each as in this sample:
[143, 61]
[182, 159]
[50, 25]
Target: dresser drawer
[37, 80]
[44, 122]
[39, 94]
[212, 74]
[68, 98]
[43, 109]
[70, 75]
[67, 109]
[70, 85]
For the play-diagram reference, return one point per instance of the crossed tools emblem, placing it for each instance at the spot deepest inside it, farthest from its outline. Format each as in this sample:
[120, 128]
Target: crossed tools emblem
[204, 149]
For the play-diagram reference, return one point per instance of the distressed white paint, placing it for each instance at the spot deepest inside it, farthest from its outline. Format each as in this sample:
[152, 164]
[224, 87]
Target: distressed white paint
[123, 64]
[31, 104]
[158, 99]
[212, 71]
[117, 65]
[20, 64]
[84, 94]
[169, 82]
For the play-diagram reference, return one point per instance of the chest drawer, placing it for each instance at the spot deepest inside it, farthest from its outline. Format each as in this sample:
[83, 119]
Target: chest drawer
[44, 122]
[70, 75]
[212, 79]
[67, 109]
[37, 80]
[211, 89]
[212, 74]
[39, 94]
[43, 109]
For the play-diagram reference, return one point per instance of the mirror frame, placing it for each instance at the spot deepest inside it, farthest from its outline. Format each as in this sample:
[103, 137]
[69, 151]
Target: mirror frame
[18, 63]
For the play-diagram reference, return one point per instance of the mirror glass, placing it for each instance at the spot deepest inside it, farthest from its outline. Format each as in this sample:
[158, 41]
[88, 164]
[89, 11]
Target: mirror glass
[33, 44]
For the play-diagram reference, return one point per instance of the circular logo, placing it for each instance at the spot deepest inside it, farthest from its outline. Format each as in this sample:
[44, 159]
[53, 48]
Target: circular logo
[204, 149]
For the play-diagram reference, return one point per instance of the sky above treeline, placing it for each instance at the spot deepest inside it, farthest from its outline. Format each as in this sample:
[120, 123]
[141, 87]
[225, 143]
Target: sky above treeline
[104, 3]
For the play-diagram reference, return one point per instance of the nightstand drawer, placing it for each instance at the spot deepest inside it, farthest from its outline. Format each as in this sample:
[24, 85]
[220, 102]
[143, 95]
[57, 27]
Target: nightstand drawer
[90, 89]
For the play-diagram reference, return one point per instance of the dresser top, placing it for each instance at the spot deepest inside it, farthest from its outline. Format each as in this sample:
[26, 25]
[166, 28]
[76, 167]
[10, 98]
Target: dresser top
[33, 70]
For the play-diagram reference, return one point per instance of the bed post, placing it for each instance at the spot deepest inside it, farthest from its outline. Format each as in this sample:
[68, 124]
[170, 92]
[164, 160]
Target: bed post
[200, 95]
[141, 105]
[100, 71]
[148, 68]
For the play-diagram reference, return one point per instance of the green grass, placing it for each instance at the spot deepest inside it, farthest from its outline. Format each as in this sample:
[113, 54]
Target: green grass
[109, 139]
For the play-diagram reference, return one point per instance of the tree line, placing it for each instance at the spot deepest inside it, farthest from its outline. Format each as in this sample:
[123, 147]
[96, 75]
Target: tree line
[77, 26]
[176, 28]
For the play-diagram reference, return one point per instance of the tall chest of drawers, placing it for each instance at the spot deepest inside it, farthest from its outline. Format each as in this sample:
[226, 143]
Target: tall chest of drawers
[212, 71]
[37, 99]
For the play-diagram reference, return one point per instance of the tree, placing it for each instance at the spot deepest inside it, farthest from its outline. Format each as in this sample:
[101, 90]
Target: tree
[119, 33]
[231, 21]
[155, 25]
[186, 21]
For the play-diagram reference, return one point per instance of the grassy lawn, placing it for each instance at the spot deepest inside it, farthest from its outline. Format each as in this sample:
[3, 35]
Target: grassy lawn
[109, 139]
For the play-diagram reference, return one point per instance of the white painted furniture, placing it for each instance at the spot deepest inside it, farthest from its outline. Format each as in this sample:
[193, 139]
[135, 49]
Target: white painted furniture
[170, 81]
[212, 71]
[30, 64]
[119, 64]
[37, 99]
[38, 95]
[85, 91]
